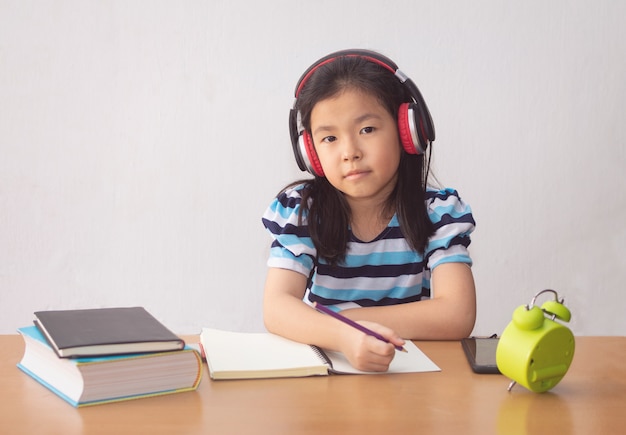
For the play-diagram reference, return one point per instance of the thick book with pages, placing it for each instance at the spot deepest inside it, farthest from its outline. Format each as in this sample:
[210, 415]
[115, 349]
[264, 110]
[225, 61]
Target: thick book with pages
[95, 380]
[241, 355]
[105, 331]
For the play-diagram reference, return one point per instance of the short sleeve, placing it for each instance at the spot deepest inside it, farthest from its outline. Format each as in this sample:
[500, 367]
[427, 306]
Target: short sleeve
[292, 247]
[454, 222]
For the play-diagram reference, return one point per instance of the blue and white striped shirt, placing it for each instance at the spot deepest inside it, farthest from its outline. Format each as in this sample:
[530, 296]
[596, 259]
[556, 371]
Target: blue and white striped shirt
[384, 271]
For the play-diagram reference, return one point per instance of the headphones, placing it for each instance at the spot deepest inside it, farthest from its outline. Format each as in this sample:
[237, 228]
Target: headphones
[415, 125]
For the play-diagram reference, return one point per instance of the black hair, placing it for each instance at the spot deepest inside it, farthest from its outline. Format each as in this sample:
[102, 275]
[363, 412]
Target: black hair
[328, 213]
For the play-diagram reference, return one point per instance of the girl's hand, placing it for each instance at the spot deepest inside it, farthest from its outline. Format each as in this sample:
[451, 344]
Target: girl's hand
[368, 353]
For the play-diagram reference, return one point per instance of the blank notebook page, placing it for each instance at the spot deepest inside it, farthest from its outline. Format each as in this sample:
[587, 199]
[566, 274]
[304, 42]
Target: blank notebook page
[236, 351]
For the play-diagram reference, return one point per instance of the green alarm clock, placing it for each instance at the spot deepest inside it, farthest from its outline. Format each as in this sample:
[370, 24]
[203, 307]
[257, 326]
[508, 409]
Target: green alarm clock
[534, 350]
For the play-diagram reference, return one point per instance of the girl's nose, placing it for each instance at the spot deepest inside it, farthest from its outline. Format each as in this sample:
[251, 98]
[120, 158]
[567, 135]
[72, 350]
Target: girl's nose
[351, 150]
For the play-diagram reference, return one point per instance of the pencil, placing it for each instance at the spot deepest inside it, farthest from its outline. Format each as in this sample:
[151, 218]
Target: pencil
[352, 323]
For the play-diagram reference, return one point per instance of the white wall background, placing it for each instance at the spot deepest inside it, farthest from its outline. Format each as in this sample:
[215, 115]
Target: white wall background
[140, 142]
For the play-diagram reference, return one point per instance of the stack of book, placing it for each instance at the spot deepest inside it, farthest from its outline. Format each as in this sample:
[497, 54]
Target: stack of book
[102, 355]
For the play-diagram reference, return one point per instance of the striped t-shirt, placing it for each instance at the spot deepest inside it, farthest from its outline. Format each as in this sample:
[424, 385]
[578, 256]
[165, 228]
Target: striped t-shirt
[384, 271]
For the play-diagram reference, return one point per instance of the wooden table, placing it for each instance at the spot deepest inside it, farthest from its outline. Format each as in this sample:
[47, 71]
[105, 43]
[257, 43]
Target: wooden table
[591, 399]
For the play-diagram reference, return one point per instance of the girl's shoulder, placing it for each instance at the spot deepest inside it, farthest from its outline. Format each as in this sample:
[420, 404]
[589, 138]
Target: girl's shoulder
[291, 196]
[285, 207]
[441, 194]
[446, 201]
[295, 189]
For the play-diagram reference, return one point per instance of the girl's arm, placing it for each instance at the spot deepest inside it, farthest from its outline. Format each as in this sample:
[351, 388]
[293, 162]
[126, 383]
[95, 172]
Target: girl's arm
[449, 315]
[287, 315]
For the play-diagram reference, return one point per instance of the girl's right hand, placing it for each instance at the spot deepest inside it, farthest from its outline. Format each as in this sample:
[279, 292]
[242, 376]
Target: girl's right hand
[368, 353]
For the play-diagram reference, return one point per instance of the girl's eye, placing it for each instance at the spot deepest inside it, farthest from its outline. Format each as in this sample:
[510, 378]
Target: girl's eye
[366, 130]
[329, 139]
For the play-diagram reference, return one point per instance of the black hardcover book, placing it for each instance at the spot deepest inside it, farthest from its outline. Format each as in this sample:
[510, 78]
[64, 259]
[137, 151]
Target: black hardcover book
[105, 331]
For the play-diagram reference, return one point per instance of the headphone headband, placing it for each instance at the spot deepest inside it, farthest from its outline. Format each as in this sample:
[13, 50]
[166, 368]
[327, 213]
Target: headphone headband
[371, 56]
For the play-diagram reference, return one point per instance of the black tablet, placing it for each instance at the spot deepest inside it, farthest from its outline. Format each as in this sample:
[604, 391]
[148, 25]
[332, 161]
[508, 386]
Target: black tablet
[481, 354]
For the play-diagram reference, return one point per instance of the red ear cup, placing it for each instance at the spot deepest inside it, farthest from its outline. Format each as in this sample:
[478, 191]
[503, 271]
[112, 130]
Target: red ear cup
[408, 125]
[405, 130]
[313, 160]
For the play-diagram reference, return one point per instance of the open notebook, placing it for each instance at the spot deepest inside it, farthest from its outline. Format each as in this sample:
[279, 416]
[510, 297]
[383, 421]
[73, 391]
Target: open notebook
[241, 355]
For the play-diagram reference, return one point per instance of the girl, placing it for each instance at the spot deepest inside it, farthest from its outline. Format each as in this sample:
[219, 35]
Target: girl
[365, 235]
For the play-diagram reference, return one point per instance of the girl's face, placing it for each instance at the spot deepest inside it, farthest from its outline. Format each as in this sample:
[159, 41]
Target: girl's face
[357, 143]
